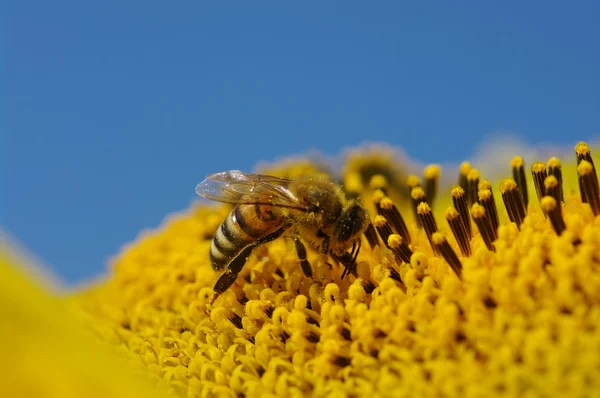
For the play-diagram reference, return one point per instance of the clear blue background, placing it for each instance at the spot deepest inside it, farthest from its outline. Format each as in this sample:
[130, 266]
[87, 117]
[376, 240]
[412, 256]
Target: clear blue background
[113, 111]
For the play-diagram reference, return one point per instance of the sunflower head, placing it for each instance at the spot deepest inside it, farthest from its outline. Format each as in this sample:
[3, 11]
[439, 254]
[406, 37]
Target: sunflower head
[480, 288]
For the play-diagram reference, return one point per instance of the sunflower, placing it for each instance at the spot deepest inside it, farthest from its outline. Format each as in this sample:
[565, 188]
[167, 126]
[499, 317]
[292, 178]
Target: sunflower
[475, 289]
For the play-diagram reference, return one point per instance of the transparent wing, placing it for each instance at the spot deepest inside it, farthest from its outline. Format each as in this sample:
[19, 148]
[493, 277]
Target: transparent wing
[237, 187]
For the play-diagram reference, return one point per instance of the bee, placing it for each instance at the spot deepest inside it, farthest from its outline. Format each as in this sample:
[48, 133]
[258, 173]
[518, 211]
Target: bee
[308, 208]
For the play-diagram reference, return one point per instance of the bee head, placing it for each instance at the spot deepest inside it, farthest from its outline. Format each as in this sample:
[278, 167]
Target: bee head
[350, 225]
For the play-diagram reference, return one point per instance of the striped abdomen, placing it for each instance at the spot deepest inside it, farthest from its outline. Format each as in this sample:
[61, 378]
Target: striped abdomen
[244, 226]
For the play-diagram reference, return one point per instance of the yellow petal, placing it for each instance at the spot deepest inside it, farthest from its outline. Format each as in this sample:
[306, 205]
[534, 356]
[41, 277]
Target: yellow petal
[47, 352]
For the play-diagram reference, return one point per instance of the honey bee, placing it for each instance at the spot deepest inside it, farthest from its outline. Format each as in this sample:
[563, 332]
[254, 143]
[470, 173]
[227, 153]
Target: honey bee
[310, 209]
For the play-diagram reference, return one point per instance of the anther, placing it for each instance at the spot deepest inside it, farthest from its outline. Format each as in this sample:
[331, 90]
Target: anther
[378, 194]
[458, 230]
[399, 247]
[346, 334]
[518, 172]
[513, 201]
[484, 225]
[442, 245]
[472, 186]
[463, 172]
[313, 337]
[484, 184]
[551, 208]
[588, 183]
[342, 361]
[383, 228]
[459, 200]
[432, 176]
[368, 285]
[269, 311]
[428, 222]
[389, 210]
[582, 150]
[236, 320]
[413, 181]
[417, 195]
[555, 169]
[538, 171]
[378, 181]
[353, 184]
[395, 275]
[486, 199]
[552, 188]
[489, 302]
[371, 236]
[392, 241]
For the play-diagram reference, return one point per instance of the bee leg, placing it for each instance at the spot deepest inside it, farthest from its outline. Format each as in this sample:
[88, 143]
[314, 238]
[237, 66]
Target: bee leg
[345, 260]
[233, 269]
[325, 245]
[359, 244]
[235, 266]
[354, 254]
[348, 260]
[301, 250]
[349, 266]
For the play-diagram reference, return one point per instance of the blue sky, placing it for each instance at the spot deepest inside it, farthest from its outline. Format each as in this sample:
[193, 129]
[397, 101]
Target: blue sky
[113, 111]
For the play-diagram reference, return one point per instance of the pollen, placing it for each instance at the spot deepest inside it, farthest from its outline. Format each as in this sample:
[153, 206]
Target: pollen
[491, 296]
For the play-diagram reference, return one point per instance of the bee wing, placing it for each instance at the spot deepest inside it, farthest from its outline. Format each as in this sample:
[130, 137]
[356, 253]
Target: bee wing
[237, 187]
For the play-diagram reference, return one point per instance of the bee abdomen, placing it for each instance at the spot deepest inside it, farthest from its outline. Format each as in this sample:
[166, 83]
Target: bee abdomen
[228, 242]
[245, 225]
